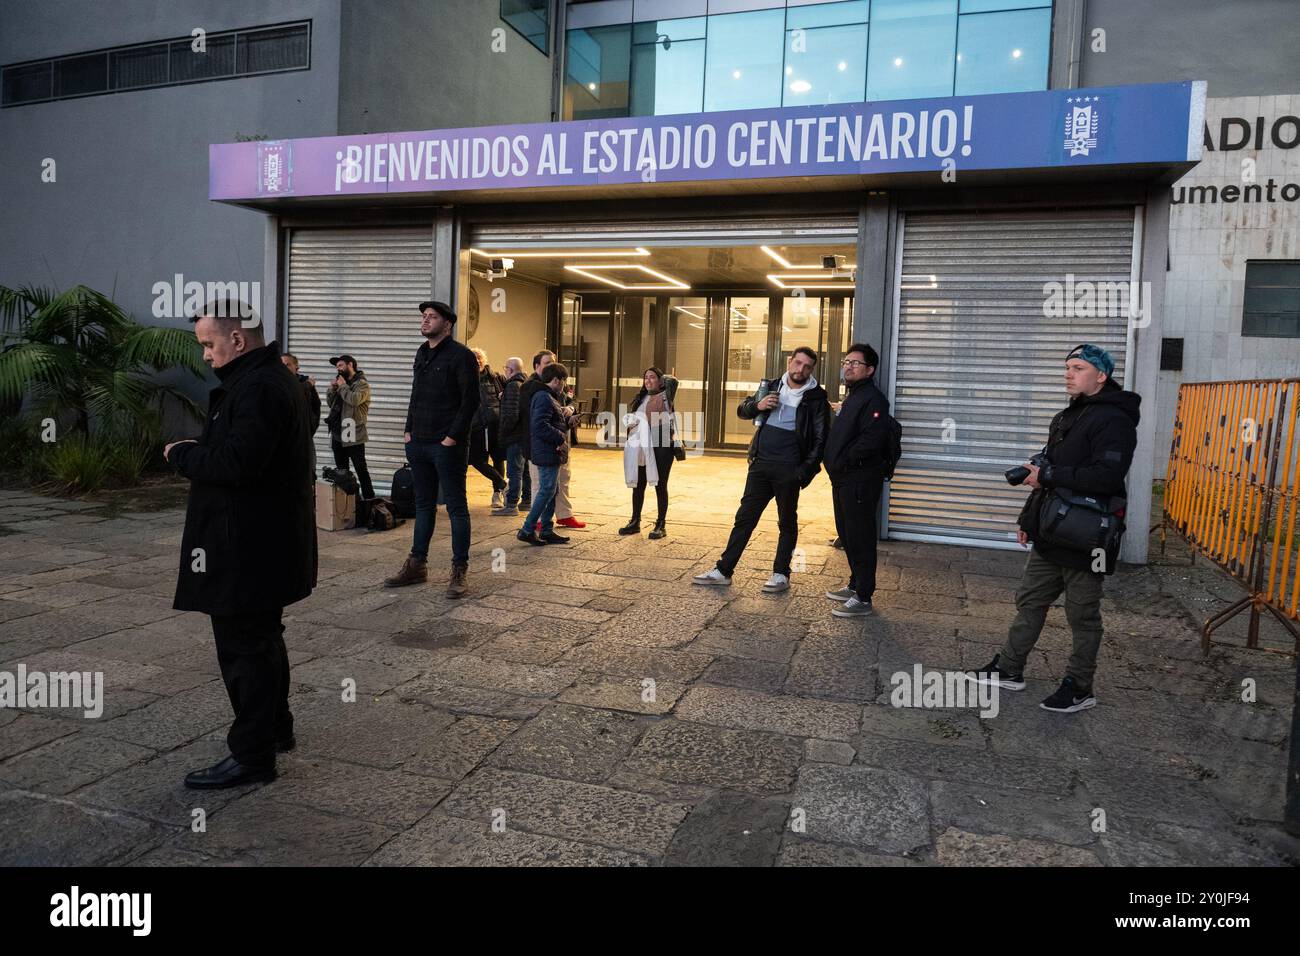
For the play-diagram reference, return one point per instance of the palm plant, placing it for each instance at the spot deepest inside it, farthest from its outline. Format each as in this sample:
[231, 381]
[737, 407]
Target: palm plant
[78, 358]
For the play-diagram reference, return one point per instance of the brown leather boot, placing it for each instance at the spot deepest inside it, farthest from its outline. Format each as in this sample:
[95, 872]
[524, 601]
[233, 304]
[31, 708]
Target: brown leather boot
[414, 571]
[456, 587]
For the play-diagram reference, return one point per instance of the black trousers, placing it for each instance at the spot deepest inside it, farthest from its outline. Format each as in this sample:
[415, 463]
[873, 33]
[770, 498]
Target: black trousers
[482, 446]
[664, 463]
[355, 455]
[765, 481]
[856, 501]
[255, 667]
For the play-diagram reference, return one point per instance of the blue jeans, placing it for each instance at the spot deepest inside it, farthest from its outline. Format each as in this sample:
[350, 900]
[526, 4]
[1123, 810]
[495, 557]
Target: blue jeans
[439, 473]
[516, 472]
[543, 500]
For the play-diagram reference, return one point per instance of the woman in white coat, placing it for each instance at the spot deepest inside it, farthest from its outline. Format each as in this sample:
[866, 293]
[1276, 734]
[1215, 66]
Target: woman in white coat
[649, 452]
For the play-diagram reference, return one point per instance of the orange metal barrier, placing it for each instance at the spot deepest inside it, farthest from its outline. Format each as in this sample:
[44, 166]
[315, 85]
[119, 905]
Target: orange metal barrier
[1232, 492]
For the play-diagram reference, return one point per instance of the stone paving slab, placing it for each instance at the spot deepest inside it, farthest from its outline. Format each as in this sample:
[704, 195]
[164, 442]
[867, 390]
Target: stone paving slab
[618, 714]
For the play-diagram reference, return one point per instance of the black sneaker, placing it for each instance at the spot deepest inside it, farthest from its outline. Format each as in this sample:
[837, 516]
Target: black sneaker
[550, 537]
[1070, 698]
[994, 675]
[533, 538]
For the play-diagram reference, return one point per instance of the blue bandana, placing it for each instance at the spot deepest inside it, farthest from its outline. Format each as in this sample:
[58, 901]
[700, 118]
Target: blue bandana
[1095, 356]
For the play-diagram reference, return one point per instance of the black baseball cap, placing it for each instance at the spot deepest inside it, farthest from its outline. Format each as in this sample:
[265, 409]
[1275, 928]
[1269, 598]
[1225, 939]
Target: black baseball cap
[442, 308]
[344, 358]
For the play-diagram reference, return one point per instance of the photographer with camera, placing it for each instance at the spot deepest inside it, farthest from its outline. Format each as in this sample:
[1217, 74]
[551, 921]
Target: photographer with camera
[1074, 517]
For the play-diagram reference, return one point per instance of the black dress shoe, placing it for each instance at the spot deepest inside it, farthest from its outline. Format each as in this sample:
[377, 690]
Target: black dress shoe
[284, 744]
[229, 773]
[658, 531]
[550, 537]
[530, 538]
[632, 527]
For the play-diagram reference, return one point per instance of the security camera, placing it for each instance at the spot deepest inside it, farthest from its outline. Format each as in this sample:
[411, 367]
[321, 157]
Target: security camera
[829, 262]
[499, 268]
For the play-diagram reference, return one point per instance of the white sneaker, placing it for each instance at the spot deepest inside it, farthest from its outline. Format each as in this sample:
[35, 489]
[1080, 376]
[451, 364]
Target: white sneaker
[843, 594]
[498, 499]
[714, 577]
[776, 584]
[853, 608]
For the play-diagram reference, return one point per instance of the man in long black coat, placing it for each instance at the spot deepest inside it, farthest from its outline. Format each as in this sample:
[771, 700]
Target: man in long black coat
[249, 546]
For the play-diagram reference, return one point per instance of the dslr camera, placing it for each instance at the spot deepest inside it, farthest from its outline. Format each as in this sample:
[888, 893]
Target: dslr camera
[1018, 474]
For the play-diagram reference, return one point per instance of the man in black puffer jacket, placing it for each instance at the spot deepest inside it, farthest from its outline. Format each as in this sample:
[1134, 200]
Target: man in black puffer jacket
[1089, 449]
[856, 462]
[785, 455]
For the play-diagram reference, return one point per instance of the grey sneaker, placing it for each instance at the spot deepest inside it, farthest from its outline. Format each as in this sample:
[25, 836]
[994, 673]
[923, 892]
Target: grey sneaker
[853, 608]
[498, 499]
[776, 584]
[713, 577]
[508, 510]
[843, 594]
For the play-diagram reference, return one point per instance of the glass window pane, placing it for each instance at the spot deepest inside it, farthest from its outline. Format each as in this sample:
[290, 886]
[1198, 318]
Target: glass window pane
[141, 66]
[598, 67]
[532, 18]
[218, 60]
[271, 50]
[81, 74]
[746, 362]
[687, 341]
[668, 67]
[825, 65]
[744, 60]
[1003, 52]
[986, 6]
[912, 49]
[827, 14]
[25, 84]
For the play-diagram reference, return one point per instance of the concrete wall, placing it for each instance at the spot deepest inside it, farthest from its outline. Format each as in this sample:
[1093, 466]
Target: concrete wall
[1210, 241]
[1240, 48]
[130, 204]
[430, 64]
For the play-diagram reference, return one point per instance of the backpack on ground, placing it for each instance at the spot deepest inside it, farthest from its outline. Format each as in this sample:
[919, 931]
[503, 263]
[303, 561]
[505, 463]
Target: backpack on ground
[402, 498]
[382, 517]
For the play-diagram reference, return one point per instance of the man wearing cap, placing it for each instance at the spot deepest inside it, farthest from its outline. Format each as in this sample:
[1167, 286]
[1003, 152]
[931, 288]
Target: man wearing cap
[349, 401]
[1089, 449]
[444, 398]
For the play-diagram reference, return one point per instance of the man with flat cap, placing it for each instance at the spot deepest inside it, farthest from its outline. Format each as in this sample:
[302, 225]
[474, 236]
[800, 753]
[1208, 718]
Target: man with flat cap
[444, 398]
[1089, 449]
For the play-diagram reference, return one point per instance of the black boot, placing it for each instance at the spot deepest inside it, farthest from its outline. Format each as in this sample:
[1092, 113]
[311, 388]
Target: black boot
[632, 527]
[658, 531]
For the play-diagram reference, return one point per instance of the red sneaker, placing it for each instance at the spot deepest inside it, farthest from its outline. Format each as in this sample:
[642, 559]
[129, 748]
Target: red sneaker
[571, 522]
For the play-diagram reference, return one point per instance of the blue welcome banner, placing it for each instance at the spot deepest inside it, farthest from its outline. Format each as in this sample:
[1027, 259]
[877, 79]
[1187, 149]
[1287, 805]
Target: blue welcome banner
[1109, 126]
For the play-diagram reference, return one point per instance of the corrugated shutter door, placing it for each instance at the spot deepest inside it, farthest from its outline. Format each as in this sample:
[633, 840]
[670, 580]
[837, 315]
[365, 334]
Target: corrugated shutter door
[355, 291]
[978, 363]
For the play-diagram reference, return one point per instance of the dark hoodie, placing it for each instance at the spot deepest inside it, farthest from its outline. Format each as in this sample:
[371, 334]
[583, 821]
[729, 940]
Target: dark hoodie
[1090, 447]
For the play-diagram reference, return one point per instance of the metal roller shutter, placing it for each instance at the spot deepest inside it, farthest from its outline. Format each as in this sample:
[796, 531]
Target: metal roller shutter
[978, 366]
[355, 291]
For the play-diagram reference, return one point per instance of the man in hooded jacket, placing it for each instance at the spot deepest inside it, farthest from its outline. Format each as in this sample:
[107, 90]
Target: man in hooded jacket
[1089, 449]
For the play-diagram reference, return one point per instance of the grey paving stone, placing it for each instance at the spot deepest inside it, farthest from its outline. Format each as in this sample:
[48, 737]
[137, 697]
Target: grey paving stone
[729, 829]
[767, 676]
[1155, 843]
[955, 847]
[639, 662]
[436, 691]
[1128, 797]
[828, 751]
[879, 809]
[13, 609]
[388, 797]
[36, 830]
[565, 809]
[374, 733]
[782, 714]
[710, 756]
[63, 765]
[952, 762]
[577, 743]
[1019, 813]
[171, 721]
[440, 840]
[26, 731]
[270, 832]
[799, 852]
[460, 747]
[835, 668]
[636, 696]
[370, 678]
[723, 642]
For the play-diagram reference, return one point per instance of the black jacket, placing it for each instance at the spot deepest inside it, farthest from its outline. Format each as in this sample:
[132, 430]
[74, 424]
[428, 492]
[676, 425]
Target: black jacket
[444, 392]
[490, 387]
[313, 401]
[514, 413]
[251, 507]
[531, 386]
[859, 439]
[812, 423]
[1089, 449]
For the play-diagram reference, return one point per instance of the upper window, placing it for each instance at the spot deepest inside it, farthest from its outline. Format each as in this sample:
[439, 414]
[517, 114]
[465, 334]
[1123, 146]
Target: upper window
[214, 56]
[845, 51]
[532, 18]
[1271, 306]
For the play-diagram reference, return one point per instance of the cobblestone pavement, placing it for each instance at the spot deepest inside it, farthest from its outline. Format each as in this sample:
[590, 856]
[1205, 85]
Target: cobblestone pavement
[517, 727]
